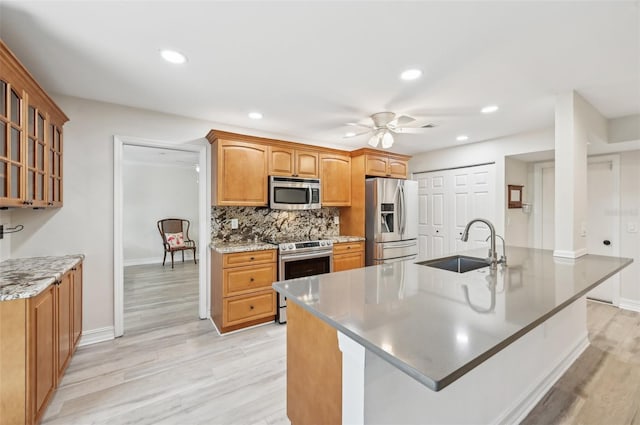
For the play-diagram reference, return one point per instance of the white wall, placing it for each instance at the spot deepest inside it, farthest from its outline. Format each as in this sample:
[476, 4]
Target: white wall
[153, 192]
[517, 226]
[85, 223]
[630, 214]
[5, 243]
[490, 151]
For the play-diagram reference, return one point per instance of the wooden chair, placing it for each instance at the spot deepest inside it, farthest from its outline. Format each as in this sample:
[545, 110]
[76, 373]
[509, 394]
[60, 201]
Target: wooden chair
[171, 228]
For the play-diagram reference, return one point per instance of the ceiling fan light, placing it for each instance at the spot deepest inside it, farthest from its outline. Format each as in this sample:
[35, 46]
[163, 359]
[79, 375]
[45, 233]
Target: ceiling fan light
[374, 140]
[387, 140]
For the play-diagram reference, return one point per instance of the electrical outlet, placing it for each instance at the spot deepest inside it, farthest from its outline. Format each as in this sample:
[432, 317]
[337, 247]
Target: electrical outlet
[632, 227]
[336, 219]
[234, 223]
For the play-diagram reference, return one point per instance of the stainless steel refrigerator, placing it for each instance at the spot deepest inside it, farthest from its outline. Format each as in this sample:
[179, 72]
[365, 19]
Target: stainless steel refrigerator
[391, 224]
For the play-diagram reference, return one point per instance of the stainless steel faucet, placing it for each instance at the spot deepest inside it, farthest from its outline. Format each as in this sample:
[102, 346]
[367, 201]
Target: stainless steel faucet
[503, 257]
[493, 255]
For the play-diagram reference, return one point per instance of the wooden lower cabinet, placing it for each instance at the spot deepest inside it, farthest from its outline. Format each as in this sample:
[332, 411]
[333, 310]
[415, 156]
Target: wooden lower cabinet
[348, 255]
[314, 369]
[37, 339]
[241, 293]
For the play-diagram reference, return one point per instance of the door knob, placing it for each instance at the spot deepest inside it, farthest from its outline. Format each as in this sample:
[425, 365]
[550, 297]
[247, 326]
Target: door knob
[607, 242]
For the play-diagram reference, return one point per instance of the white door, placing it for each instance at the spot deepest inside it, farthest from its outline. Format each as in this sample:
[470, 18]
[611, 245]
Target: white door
[473, 198]
[432, 234]
[601, 228]
[447, 201]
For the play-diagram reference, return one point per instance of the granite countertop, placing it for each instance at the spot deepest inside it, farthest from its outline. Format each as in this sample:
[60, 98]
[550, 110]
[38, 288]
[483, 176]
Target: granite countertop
[240, 246]
[27, 277]
[341, 239]
[437, 325]
[225, 247]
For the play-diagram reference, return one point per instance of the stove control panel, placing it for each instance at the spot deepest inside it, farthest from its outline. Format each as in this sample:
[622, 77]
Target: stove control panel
[308, 245]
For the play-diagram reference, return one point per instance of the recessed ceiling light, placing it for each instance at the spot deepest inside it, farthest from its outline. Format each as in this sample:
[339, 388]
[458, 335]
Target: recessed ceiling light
[462, 138]
[173, 56]
[411, 74]
[489, 109]
[349, 134]
[255, 115]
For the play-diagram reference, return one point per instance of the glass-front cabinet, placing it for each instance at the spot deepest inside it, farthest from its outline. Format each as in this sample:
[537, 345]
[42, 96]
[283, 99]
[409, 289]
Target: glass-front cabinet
[30, 139]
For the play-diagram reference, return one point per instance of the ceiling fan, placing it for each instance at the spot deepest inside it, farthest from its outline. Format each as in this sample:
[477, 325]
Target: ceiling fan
[384, 124]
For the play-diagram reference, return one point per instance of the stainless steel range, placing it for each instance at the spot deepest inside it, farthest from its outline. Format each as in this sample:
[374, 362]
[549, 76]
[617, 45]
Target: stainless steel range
[300, 259]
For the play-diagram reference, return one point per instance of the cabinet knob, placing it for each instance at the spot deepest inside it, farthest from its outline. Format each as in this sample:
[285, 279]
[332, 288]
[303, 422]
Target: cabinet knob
[348, 247]
[253, 258]
[606, 242]
[437, 231]
[250, 307]
[251, 280]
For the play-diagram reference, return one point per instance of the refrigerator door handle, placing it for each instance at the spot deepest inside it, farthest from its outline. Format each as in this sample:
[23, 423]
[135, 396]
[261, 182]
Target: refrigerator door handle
[403, 218]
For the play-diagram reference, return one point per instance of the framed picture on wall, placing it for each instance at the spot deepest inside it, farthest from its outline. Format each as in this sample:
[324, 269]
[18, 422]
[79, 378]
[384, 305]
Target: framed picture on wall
[515, 196]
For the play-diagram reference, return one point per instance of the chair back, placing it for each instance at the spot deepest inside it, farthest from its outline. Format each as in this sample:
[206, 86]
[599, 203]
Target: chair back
[173, 225]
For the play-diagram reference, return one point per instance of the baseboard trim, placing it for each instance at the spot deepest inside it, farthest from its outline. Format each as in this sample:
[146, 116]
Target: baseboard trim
[629, 304]
[521, 408]
[95, 336]
[156, 260]
[570, 254]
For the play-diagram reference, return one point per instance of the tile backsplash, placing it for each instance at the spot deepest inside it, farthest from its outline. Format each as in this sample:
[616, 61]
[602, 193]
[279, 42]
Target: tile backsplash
[264, 222]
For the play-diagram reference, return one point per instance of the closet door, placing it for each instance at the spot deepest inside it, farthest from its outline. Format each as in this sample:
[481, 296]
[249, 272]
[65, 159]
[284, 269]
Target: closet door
[447, 201]
[473, 197]
[433, 235]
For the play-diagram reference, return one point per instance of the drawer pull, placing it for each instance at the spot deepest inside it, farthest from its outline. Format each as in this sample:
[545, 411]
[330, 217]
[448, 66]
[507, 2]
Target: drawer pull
[251, 307]
[251, 280]
[252, 258]
[348, 247]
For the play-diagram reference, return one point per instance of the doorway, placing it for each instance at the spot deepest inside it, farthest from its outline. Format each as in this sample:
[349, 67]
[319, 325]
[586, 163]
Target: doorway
[603, 233]
[149, 177]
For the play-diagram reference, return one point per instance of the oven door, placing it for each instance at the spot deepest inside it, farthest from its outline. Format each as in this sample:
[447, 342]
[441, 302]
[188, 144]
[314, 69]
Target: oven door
[293, 266]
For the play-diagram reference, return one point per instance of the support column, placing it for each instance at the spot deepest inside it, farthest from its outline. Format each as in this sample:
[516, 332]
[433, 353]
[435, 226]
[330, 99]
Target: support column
[576, 122]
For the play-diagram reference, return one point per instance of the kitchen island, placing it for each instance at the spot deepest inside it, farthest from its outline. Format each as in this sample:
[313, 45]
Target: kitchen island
[408, 343]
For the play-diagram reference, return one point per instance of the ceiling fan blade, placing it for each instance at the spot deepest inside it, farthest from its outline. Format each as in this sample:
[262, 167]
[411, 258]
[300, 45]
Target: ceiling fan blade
[412, 130]
[355, 124]
[402, 120]
[356, 134]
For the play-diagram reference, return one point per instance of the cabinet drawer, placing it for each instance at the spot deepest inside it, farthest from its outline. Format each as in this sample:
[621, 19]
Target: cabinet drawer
[249, 258]
[242, 280]
[353, 260]
[249, 307]
[347, 247]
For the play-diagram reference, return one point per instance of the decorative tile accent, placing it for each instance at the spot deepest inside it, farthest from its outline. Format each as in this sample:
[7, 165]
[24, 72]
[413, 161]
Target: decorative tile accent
[264, 223]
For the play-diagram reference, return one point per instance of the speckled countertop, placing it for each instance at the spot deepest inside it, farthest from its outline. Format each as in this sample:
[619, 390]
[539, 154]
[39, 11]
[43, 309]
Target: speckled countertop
[226, 247]
[27, 277]
[241, 246]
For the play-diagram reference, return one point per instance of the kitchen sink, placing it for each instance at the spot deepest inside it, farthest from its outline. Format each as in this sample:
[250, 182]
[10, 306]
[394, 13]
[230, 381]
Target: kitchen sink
[456, 263]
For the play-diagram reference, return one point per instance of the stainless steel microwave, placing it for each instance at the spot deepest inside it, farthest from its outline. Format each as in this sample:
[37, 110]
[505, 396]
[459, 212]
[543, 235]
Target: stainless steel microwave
[291, 193]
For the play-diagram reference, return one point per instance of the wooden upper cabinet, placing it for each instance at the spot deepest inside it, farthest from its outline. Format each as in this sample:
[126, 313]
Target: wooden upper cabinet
[398, 168]
[335, 180]
[386, 165]
[291, 162]
[239, 175]
[26, 113]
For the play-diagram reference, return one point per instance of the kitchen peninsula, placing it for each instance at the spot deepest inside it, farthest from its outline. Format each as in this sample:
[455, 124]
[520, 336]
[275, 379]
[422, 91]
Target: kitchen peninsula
[407, 343]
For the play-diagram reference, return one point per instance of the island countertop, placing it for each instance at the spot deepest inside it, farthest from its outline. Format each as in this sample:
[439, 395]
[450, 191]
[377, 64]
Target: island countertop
[27, 277]
[437, 325]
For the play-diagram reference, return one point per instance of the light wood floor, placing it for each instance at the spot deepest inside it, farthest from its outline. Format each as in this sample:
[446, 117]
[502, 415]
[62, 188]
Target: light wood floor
[171, 368]
[603, 386]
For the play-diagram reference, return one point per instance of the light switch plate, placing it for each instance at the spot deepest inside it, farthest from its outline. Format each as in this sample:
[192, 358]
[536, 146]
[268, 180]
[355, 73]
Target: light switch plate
[632, 227]
[234, 223]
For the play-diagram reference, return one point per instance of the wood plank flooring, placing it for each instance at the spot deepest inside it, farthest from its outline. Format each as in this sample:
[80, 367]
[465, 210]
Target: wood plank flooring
[171, 368]
[602, 387]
